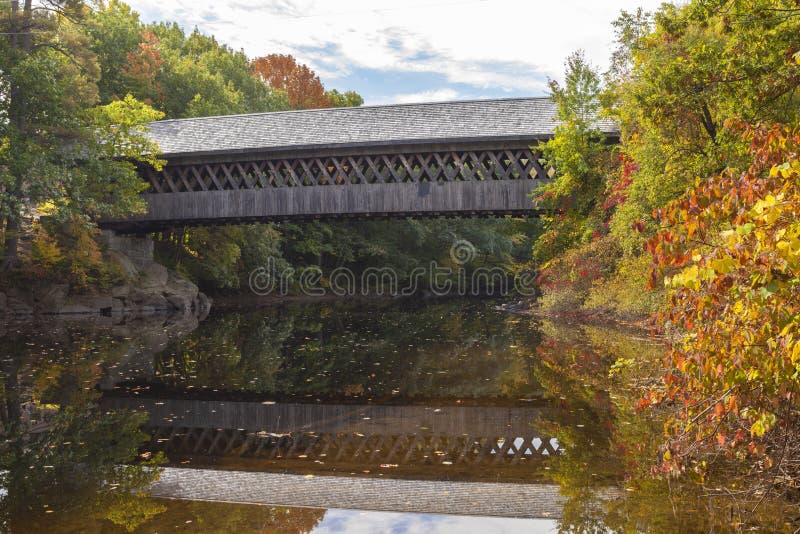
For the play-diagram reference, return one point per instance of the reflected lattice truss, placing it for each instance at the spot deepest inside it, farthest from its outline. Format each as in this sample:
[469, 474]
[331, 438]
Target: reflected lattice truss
[450, 166]
[345, 447]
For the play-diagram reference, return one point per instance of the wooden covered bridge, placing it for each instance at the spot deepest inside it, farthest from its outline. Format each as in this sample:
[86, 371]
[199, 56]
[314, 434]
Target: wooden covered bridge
[450, 158]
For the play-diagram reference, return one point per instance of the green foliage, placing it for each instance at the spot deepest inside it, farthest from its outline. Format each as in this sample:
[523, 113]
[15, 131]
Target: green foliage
[406, 245]
[202, 77]
[581, 157]
[220, 257]
[183, 76]
[114, 30]
[119, 143]
[677, 76]
[347, 99]
[224, 257]
[59, 152]
[573, 251]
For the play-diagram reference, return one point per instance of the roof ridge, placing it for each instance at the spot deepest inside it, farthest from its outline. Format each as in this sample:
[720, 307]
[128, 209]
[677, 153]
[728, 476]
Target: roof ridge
[377, 106]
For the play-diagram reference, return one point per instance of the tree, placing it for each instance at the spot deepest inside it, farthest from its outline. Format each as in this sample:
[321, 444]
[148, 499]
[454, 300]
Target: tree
[179, 74]
[301, 84]
[348, 99]
[571, 249]
[579, 153]
[716, 205]
[115, 35]
[678, 75]
[729, 249]
[58, 149]
[143, 67]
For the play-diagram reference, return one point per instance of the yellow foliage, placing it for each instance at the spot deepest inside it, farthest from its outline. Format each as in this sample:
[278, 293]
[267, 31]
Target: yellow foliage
[734, 241]
[46, 253]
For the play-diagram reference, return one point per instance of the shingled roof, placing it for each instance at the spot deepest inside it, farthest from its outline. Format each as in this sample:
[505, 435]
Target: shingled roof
[512, 119]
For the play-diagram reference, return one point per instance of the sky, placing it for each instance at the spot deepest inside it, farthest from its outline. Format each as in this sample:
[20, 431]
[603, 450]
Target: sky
[400, 51]
[359, 522]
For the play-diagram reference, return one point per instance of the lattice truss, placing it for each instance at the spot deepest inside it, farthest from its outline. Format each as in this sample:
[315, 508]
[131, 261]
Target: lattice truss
[348, 170]
[347, 447]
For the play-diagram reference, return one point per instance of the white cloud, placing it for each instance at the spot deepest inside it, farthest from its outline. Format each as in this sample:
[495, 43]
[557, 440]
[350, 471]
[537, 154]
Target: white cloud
[356, 522]
[505, 45]
[436, 95]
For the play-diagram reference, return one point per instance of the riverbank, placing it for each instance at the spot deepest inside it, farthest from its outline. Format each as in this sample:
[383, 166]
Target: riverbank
[629, 322]
[157, 291]
[143, 287]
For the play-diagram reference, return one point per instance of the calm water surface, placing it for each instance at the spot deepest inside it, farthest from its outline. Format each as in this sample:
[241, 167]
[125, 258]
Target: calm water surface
[436, 393]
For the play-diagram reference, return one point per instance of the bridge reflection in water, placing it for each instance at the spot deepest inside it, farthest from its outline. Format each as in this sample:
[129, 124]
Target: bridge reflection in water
[351, 436]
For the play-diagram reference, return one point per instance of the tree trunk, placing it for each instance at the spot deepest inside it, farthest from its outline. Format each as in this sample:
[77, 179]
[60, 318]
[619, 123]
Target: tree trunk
[11, 245]
[20, 40]
[12, 405]
[26, 42]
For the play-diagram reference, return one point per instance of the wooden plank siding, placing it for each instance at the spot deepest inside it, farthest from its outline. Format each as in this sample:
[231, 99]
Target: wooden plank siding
[331, 202]
[470, 180]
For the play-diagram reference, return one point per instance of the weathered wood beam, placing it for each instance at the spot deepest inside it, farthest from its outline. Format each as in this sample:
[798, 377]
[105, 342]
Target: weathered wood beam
[485, 197]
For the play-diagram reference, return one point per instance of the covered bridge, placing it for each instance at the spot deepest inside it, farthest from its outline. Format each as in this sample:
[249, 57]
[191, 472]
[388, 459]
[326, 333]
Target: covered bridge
[463, 158]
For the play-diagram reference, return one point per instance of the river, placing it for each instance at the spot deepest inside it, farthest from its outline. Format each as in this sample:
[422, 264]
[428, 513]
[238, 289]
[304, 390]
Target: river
[369, 416]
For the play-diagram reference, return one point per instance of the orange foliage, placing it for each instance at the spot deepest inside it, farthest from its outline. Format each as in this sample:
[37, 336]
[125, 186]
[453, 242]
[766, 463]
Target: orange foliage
[729, 250]
[143, 66]
[301, 84]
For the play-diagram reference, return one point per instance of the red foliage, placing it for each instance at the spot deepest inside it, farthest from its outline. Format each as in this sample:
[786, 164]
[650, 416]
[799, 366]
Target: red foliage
[617, 195]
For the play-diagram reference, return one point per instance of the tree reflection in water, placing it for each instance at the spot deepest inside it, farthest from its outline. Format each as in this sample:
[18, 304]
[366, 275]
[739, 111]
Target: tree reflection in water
[595, 377]
[70, 466]
[61, 456]
[450, 350]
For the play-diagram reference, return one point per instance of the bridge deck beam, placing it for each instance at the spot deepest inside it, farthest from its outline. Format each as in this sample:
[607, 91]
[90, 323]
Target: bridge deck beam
[393, 200]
